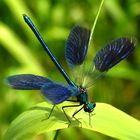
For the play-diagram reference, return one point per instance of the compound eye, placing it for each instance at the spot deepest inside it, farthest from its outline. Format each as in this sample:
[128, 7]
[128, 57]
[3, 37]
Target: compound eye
[86, 108]
[89, 107]
[94, 105]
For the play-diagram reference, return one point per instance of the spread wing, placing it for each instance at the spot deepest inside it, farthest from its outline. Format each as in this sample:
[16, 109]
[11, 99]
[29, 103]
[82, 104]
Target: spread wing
[57, 93]
[77, 46]
[27, 81]
[113, 53]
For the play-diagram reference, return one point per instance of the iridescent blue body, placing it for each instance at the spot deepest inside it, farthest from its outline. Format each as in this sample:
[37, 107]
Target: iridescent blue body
[76, 50]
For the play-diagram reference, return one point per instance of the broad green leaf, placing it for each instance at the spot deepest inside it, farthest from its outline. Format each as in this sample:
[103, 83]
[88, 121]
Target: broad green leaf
[105, 119]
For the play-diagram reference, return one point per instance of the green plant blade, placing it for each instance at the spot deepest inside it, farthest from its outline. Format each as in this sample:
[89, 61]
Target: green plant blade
[105, 119]
[18, 49]
[95, 21]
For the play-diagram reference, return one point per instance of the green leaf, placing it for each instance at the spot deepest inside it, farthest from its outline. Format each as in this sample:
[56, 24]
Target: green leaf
[105, 119]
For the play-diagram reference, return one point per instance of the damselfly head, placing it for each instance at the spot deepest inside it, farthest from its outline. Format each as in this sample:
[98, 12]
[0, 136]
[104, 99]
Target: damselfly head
[89, 107]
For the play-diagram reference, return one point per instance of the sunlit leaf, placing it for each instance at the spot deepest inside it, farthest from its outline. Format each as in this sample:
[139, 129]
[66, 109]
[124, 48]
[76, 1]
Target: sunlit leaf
[105, 119]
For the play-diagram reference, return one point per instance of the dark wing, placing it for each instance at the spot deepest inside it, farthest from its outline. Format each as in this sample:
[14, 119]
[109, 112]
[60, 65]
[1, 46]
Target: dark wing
[77, 45]
[27, 81]
[57, 93]
[113, 53]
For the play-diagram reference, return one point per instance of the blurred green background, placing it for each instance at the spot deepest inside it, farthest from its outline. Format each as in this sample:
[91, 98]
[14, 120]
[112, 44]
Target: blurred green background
[20, 52]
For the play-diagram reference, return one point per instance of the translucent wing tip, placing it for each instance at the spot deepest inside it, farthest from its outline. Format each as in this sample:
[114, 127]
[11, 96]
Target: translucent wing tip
[133, 41]
[9, 82]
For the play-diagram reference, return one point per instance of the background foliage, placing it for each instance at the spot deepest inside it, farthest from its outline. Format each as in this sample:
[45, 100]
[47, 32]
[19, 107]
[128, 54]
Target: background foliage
[20, 52]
